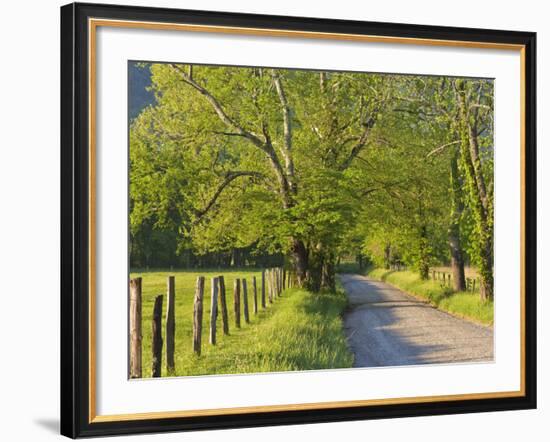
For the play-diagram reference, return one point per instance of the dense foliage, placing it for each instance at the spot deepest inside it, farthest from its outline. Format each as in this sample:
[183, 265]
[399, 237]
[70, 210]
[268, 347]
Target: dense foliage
[248, 166]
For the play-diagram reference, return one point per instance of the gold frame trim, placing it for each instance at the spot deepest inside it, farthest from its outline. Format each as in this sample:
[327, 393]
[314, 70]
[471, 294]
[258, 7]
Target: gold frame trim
[93, 24]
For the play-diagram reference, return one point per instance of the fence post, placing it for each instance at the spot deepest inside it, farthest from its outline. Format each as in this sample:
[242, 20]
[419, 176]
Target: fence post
[283, 278]
[197, 315]
[274, 282]
[263, 289]
[156, 360]
[170, 324]
[213, 309]
[135, 328]
[255, 289]
[223, 304]
[270, 285]
[237, 302]
[433, 275]
[245, 301]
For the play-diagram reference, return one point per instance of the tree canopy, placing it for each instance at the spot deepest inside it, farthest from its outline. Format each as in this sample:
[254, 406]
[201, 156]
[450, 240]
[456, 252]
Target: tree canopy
[309, 166]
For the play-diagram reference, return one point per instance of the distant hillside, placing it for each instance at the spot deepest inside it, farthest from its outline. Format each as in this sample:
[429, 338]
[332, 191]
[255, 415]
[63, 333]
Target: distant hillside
[139, 79]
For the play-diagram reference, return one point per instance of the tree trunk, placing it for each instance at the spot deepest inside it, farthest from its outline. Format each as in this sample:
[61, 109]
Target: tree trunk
[328, 279]
[387, 256]
[423, 263]
[319, 263]
[486, 288]
[300, 259]
[455, 244]
[481, 203]
[321, 270]
[457, 260]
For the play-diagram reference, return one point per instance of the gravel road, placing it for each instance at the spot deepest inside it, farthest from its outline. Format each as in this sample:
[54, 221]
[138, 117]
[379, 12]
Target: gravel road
[385, 326]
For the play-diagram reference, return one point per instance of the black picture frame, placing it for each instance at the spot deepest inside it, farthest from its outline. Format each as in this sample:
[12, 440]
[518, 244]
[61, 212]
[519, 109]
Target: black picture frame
[75, 221]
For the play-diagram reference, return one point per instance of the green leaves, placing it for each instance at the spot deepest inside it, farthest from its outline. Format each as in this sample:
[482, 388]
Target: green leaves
[257, 158]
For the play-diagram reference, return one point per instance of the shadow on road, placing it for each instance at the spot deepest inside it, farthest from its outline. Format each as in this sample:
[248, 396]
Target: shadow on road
[386, 327]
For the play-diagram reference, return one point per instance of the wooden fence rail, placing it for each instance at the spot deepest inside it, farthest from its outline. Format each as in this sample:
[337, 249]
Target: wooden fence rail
[273, 282]
[447, 278]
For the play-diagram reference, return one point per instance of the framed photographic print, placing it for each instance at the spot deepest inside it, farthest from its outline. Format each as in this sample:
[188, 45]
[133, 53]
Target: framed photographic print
[274, 220]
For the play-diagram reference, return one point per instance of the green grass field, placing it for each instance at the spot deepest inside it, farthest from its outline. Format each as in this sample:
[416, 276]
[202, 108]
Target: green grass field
[463, 304]
[299, 331]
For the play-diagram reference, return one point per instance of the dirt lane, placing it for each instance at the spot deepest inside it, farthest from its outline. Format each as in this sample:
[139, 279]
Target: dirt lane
[384, 326]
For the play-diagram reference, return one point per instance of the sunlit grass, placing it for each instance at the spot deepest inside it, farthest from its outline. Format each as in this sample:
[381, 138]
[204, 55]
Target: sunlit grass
[299, 331]
[464, 304]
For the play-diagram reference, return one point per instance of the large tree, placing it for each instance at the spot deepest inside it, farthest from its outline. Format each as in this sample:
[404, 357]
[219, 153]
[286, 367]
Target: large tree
[475, 125]
[283, 140]
[309, 165]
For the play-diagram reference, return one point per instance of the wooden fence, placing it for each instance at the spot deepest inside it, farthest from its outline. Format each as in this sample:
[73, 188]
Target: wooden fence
[444, 278]
[273, 282]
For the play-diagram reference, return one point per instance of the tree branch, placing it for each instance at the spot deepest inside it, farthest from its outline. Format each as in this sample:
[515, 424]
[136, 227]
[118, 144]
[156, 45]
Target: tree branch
[264, 145]
[219, 109]
[287, 130]
[440, 148]
[229, 178]
[356, 149]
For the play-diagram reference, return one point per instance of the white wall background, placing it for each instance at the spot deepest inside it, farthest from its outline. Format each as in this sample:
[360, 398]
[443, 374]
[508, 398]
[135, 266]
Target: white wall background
[29, 220]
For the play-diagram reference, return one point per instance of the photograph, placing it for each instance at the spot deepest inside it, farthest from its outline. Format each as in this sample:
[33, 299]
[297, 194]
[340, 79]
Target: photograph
[297, 219]
[276, 220]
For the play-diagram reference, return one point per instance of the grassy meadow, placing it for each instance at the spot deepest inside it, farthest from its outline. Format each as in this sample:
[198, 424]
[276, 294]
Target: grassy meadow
[463, 304]
[299, 331]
